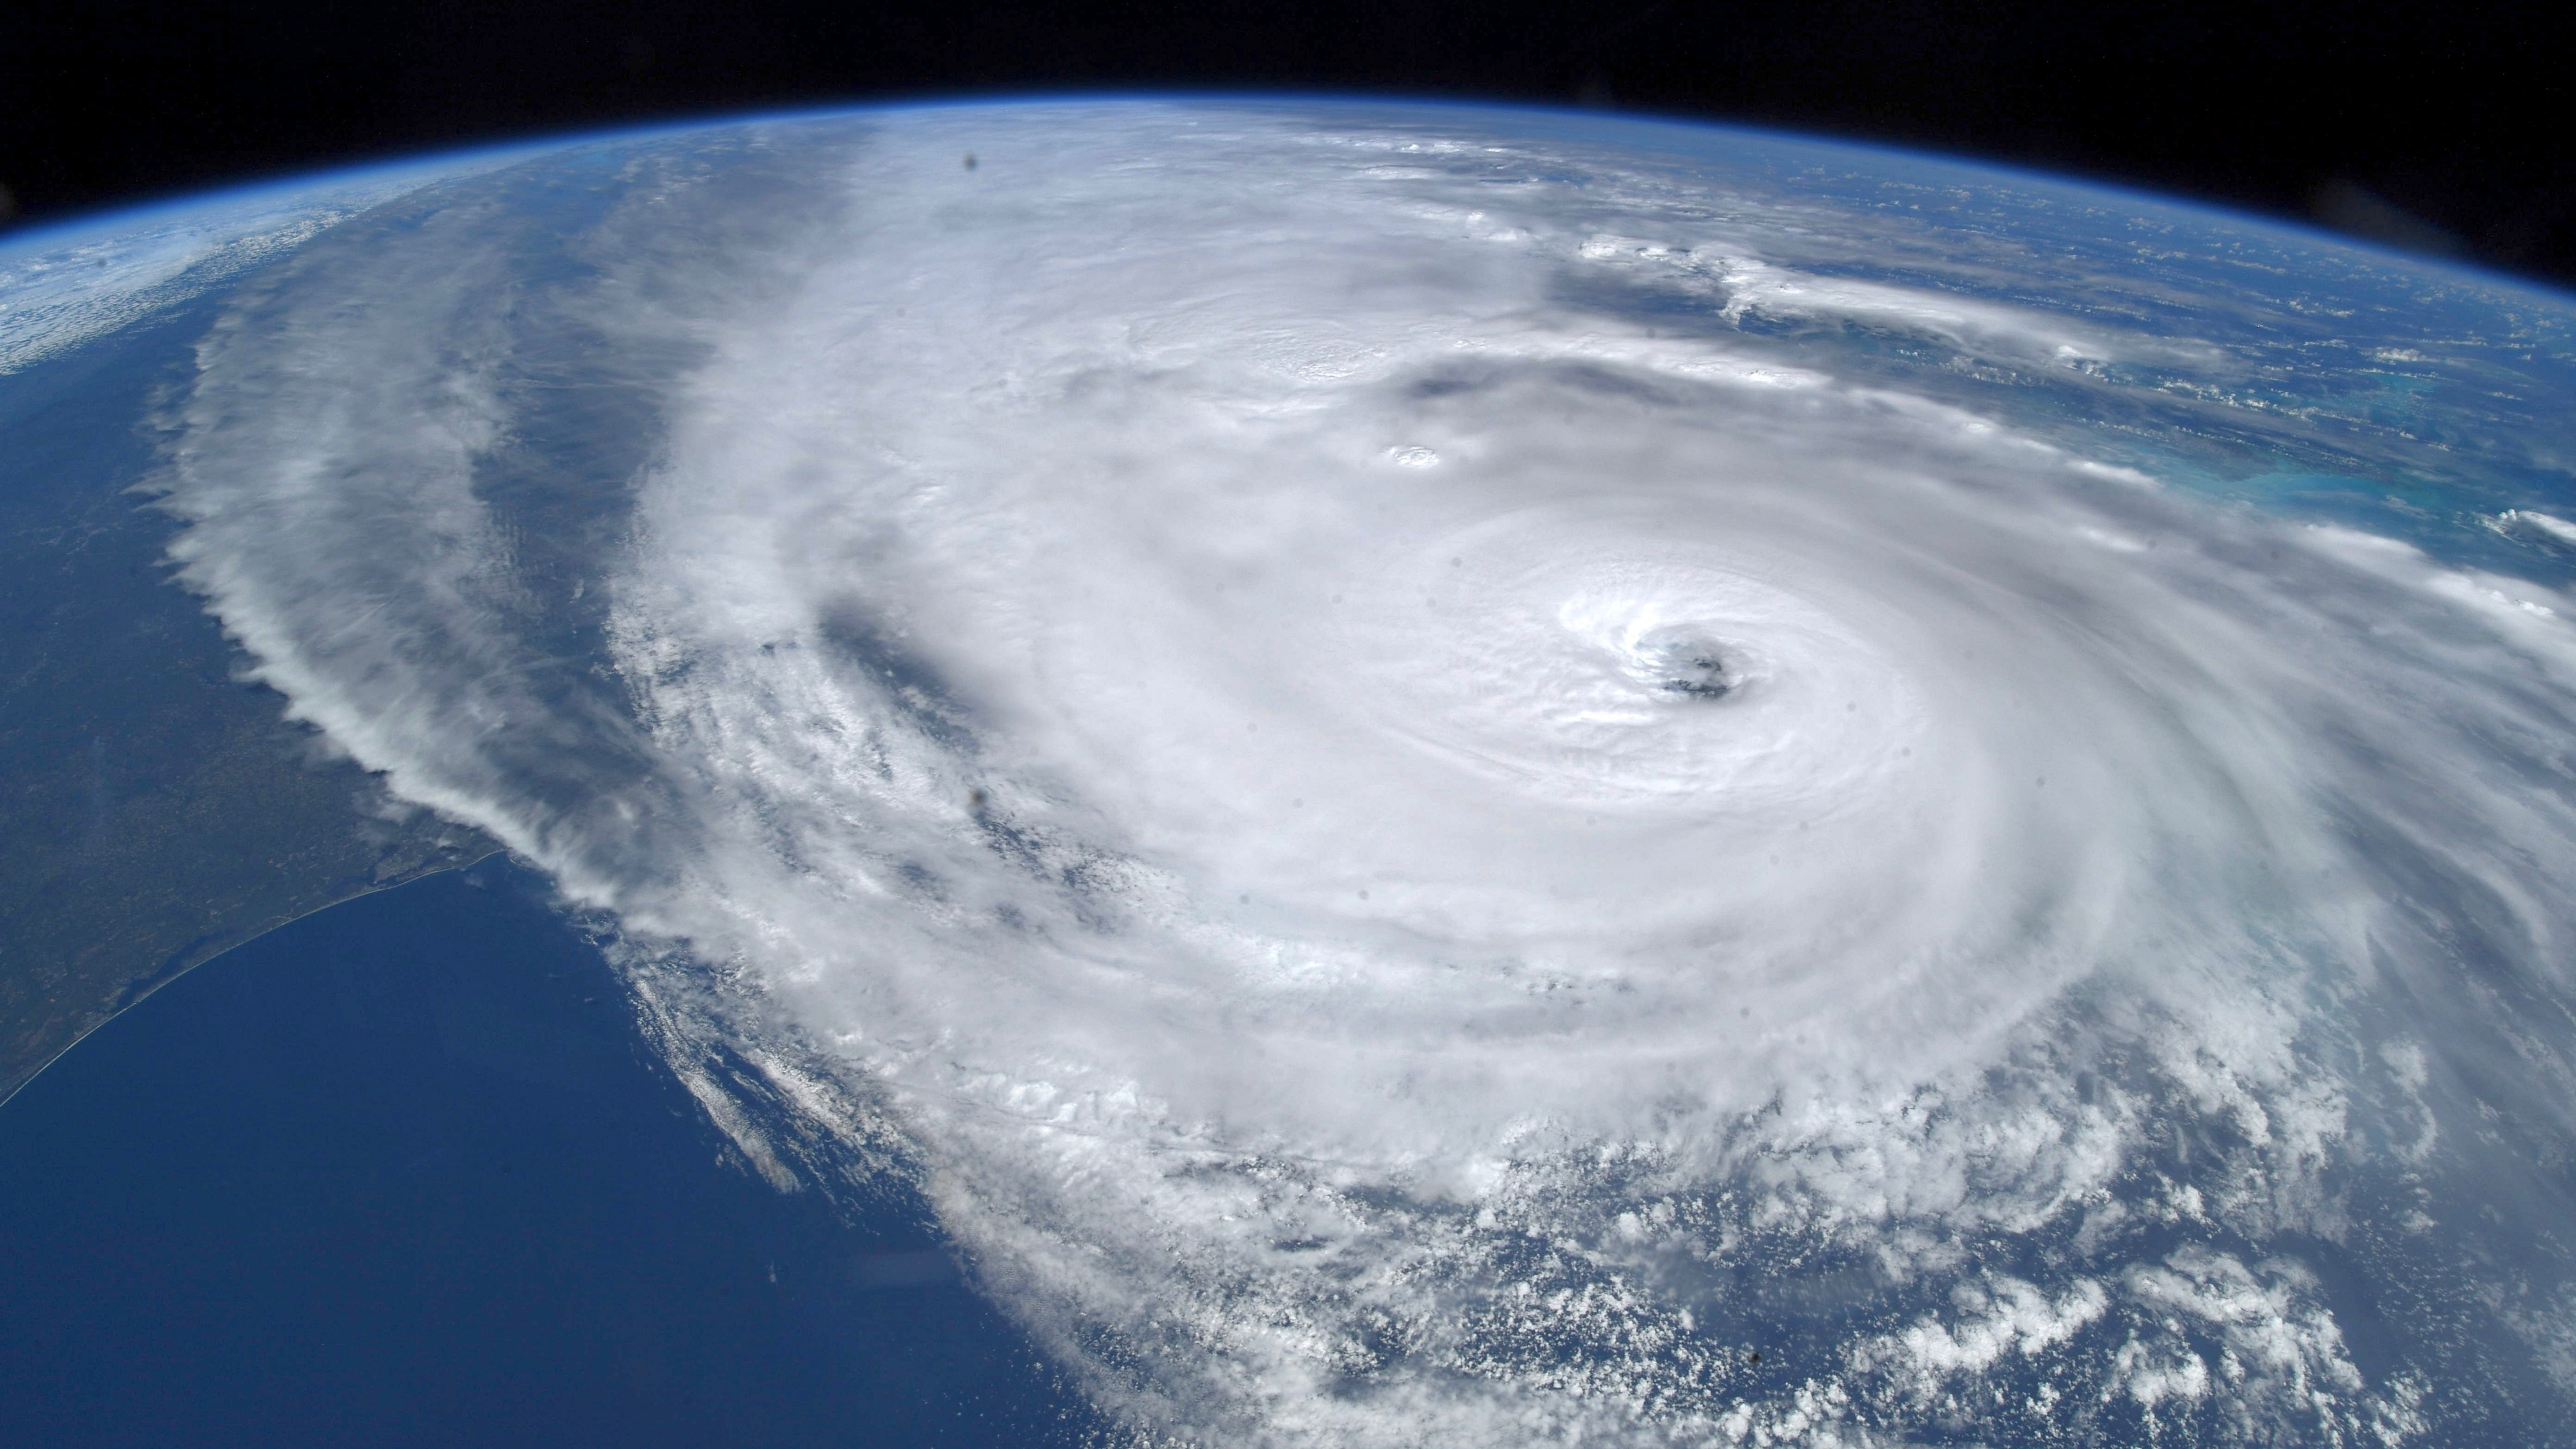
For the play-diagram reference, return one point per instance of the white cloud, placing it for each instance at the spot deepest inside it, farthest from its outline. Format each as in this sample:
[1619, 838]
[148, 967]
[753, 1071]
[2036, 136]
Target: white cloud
[1394, 929]
[67, 284]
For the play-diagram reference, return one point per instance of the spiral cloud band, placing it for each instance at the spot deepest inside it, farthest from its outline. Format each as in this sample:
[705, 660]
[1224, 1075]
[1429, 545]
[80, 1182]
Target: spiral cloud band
[1469, 779]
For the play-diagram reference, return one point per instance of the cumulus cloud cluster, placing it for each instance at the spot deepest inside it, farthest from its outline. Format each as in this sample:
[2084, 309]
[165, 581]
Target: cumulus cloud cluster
[1444, 790]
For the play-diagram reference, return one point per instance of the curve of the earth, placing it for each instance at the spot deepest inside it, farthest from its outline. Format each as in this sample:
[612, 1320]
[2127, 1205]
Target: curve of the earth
[1466, 777]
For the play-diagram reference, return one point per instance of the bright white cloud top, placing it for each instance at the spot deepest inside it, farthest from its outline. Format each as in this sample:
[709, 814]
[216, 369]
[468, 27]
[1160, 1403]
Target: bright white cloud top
[1472, 778]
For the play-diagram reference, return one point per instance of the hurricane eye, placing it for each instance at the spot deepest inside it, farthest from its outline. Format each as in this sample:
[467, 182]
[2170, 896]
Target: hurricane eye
[1697, 670]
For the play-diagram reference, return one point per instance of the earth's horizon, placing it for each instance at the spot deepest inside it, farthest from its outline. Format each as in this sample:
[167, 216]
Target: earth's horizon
[1436, 773]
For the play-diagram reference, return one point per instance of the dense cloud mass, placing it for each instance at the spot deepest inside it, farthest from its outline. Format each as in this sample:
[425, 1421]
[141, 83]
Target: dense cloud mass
[1465, 779]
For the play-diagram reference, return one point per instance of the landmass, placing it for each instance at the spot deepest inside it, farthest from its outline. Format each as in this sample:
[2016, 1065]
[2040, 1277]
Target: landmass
[156, 810]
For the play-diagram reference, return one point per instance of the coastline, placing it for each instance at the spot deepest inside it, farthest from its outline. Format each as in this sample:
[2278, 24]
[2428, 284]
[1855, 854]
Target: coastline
[135, 990]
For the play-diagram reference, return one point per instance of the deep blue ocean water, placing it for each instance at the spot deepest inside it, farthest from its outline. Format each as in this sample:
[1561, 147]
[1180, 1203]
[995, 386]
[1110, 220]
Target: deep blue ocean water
[401, 1172]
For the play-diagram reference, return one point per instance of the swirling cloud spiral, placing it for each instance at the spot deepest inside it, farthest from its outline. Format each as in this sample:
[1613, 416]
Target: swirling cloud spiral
[1455, 779]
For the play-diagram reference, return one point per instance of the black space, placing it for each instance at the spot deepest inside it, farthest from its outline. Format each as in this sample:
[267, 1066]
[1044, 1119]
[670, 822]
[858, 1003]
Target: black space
[2445, 128]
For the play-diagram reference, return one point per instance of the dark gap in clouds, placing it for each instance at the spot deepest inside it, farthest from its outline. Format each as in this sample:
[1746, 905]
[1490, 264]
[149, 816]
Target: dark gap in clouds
[908, 683]
[2431, 129]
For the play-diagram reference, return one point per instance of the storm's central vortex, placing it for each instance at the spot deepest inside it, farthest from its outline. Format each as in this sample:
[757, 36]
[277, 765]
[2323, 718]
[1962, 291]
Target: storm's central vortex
[1688, 665]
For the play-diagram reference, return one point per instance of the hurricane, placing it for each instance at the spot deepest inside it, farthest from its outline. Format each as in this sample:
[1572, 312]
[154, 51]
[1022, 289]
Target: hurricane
[1448, 783]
